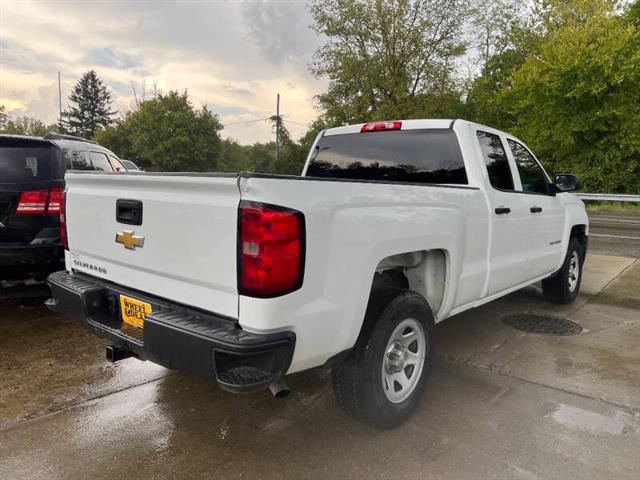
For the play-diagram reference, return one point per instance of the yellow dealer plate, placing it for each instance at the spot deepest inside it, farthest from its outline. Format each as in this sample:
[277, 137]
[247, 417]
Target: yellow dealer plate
[134, 311]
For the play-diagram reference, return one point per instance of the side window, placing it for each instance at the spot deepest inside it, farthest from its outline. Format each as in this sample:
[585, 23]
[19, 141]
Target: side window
[495, 158]
[115, 163]
[531, 175]
[77, 160]
[100, 162]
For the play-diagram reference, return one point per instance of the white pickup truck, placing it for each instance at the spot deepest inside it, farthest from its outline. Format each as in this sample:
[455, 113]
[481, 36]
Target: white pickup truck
[392, 227]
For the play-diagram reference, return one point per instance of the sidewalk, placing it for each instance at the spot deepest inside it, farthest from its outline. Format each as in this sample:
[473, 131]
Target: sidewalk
[602, 362]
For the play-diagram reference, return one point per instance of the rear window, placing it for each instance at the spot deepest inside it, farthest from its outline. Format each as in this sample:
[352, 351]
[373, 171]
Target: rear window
[25, 164]
[414, 156]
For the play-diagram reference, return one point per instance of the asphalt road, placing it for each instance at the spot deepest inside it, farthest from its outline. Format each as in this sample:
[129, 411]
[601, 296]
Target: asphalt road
[612, 234]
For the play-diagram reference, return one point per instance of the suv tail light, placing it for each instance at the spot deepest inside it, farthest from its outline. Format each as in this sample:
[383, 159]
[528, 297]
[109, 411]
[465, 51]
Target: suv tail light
[33, 202]
[39, 202]
[55, 200]
[380, 126]
[271, 248]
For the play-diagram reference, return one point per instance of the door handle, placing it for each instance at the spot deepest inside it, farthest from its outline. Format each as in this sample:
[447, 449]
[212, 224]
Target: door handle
[535, 209]
[502, 210]
[129, 212]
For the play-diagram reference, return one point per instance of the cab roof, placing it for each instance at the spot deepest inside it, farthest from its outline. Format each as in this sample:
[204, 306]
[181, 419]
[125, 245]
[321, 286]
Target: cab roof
[415, 124]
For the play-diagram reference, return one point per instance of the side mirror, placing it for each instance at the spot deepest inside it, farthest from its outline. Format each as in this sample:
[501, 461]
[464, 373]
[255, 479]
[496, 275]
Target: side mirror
[567, 182]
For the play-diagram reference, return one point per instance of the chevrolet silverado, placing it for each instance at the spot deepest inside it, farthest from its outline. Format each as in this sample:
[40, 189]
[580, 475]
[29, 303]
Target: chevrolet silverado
[391, 228]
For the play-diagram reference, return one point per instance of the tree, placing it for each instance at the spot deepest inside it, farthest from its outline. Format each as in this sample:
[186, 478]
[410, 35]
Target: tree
[493, 23]
[3, 118]
[483, 101]
[167, 133]
[90, 107]
[633, 13]
[576, 100]
[291, 156]
[387, 58]
[27, 126]
[261, 156]
[234, 157]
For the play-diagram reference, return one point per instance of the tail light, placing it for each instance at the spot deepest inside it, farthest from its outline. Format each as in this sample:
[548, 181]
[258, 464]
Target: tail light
[380, 126]
[270, 250]
[63, 219]
[39, 202]
[33, 202]
[56, 197]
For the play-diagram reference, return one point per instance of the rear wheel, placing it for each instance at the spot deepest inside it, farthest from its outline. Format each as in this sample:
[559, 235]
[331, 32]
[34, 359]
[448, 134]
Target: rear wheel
[564, 286]
[382, 379]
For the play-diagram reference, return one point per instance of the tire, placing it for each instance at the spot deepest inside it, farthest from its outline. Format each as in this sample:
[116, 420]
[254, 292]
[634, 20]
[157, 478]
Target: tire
[564, 285]
[361, 382]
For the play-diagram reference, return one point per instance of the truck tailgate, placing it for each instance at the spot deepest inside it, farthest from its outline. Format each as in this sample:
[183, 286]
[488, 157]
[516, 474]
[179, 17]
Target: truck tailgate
[187, 233]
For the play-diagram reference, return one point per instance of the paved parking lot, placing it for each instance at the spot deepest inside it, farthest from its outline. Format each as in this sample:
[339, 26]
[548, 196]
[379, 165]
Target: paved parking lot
[501, 403]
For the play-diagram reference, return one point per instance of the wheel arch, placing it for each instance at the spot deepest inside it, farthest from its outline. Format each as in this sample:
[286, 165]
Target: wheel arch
[424, 272]
[579, 232]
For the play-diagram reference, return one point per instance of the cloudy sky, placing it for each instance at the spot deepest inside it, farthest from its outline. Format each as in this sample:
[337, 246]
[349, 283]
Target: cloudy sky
[233, 56]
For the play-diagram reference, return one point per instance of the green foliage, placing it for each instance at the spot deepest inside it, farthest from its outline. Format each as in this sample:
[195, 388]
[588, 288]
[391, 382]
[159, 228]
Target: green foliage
[569, 85]
[577, 101]
[483, 103]
[291, 156]
[90, 107]
[260, 157]
[167, 133]
[633, 13]
[3, 118]
[388, 59]
[234, 157]
[27, 126]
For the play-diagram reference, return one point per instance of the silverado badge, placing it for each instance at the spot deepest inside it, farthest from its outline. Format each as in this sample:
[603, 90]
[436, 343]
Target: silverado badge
[129, 240]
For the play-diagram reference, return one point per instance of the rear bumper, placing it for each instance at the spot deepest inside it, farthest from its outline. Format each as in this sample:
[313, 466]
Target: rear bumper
[23, 261]
[174, 336]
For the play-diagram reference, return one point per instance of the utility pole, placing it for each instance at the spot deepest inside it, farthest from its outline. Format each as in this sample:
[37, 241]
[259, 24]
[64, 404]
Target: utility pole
[59, 104]
[277, 126]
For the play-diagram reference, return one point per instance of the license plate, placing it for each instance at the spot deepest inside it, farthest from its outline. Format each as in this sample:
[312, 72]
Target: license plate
[134, 311]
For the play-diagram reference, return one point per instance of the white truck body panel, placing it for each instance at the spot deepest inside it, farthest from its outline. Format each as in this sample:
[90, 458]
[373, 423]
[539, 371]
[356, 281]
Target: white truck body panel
[341, 257]
[189, 226]
[190, 229]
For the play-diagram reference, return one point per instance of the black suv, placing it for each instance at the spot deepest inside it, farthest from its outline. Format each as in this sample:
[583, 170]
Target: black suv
[31, 198]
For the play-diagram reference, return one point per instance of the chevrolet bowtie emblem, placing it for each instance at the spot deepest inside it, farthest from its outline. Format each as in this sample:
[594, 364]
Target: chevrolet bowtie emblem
[129, 240]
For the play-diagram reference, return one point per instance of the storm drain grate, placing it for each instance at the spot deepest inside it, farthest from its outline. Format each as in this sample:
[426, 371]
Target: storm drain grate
[545, 324]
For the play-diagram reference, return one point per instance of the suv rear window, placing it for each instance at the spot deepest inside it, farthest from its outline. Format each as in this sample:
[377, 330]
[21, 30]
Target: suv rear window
[25, 164]
[413, 156]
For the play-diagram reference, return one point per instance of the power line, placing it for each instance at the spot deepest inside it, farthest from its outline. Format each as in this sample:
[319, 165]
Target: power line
[282, 119]
[295, 123]
[245, 121]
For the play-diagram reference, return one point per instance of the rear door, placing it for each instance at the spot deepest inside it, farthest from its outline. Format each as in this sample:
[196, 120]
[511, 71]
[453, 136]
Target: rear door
[173, 236]
[546, 214]
[509, 217]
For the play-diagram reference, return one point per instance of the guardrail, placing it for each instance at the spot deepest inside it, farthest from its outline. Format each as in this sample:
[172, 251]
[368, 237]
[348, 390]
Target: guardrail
[609, 197]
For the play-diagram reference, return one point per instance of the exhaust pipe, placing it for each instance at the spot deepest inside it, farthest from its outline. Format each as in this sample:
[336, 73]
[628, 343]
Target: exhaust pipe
[115, 353]
[279, 389]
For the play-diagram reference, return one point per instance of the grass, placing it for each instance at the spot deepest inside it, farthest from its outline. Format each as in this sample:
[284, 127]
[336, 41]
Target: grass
[613, 207]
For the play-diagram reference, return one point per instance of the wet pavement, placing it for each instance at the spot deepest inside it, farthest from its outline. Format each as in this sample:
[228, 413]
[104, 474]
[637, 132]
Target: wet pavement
[501, 403]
